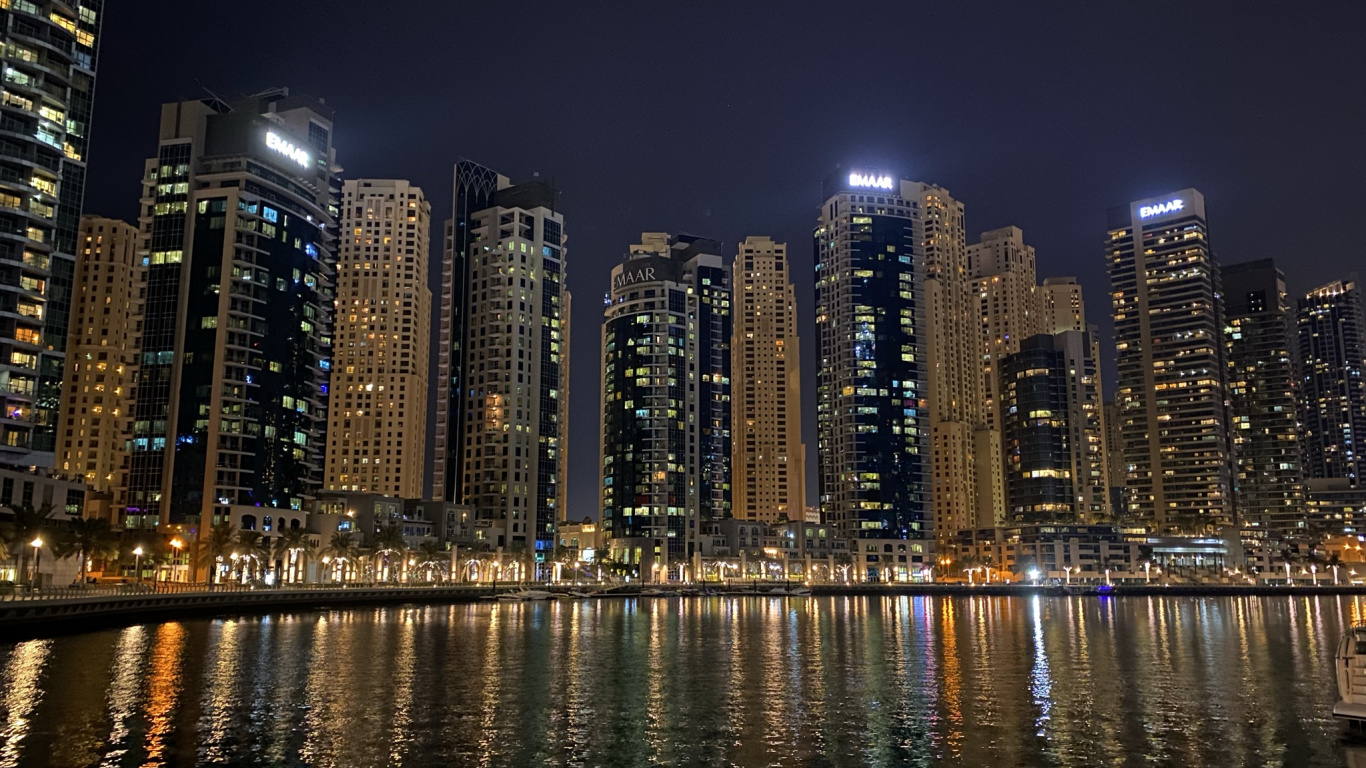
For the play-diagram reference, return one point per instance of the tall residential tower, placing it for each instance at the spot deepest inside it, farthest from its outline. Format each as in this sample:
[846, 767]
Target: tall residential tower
[377, 431]
[50, 49]
[1268, 481]
[872, 384]
[666, 408]
[502, 400]
[239, 214]
[1170, 388]
[1332, 346]
[768, 462]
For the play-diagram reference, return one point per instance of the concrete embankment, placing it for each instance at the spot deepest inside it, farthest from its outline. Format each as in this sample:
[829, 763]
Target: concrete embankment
[44, 617]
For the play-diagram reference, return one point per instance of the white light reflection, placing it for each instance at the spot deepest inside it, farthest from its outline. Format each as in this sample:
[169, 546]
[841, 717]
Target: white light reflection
[1040, 680]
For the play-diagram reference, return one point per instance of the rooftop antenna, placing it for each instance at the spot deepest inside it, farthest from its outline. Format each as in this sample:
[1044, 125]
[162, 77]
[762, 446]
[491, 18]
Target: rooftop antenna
[214, 99]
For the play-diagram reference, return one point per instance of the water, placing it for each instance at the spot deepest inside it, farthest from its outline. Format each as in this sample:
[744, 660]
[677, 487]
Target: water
[752, 681]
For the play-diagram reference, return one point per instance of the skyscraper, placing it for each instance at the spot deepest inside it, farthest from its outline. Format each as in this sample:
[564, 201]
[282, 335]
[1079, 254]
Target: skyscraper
[666, 419]
[502, 367]
[1332, 345]
[1052, 431]
[872, 384]
[962, 445]
[1170, 388]
[1114, 458]
[768, 462]
[240, 207]
[1061, 305]
[377, 432]
[1002, 269]
[1268, 482]
[101, 356]
[50, 51]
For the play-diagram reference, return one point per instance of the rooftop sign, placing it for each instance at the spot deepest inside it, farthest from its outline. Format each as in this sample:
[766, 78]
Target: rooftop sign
[287, 148]
[1171, 206]
[871, 180]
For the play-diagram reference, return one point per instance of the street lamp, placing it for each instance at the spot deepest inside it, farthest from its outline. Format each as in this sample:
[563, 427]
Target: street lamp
[1067, 575]
[137, 562]
[177, 544]
[37, 545]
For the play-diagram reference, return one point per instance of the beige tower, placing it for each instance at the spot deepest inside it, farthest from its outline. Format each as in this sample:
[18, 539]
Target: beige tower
[1060, 305]
[766, 418]
[1002, 269]
[101, 353]
[377, 431]
[955, 385]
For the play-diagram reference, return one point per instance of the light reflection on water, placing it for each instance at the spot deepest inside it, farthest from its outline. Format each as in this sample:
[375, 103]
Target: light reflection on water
[721, 681]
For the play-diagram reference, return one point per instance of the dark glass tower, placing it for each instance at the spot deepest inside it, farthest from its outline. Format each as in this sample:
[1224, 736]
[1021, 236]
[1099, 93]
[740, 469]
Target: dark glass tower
[872, 414]
[50, 50]
[240, 204]
[1332, 346]
[1268, 482]
[666, 447]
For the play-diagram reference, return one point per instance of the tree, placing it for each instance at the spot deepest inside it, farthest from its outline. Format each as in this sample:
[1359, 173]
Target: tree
[29, 524]
[293, 547]
[388, 542]
[343, 549]
[251, 547]
[91, 538]
[432, 556]
[522, 556]
[213, 548]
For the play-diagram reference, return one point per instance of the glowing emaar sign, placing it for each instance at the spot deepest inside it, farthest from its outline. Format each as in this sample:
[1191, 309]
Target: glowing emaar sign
[1171, 206]
[871, 180]
[287, 148]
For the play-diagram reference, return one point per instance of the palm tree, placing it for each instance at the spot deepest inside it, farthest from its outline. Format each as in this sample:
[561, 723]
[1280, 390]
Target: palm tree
[251, 546]
[91, 538]
[293, 548]
[520, 555]
[214, 548]
[342, 549]
[431, 555]
[387, 543]
[29, 524]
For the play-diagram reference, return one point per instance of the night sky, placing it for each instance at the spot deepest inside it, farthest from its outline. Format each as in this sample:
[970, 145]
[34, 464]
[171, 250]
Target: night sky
[722, 119]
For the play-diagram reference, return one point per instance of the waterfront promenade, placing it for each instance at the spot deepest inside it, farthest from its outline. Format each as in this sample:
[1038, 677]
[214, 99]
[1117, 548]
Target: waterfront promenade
[65, 610]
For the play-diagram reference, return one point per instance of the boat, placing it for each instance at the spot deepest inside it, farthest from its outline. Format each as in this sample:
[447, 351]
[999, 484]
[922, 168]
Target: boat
[1351, 674]
[523, 595]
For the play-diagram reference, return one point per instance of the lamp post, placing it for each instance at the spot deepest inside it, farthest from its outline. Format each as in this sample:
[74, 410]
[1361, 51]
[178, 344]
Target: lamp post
[137, 562]
[37, 545]
[176, 544]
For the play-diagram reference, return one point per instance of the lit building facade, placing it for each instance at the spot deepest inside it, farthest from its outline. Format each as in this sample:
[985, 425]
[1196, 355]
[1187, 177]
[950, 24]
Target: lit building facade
[377, 431]
[962, 445]
[1001, 266]
[502, 391]
[1114, 458]
[872, 335]
[666, 400]
[239, 219]
[102, 356]
[1170, 388]
[768, 461]
[1061, 305]
[50, 52]
[1052, 425]
[1332, 352]
[1268, 481]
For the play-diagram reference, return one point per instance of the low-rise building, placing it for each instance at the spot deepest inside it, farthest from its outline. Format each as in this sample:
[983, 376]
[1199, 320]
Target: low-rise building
[1053, 551]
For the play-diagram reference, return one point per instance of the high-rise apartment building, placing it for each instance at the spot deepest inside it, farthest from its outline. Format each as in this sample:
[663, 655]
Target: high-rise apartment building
[1052, 430]
[502, 397]
[768, 461]
[872, 336]
[101, 356]
[666, 402]
[239, 215]
[50, 50]
[961, 442]
[1115, 470]
[1002, 269]
[1170, 388]
[1331, 326]
[1061, 306]
[377, 431]
[1268, 484]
